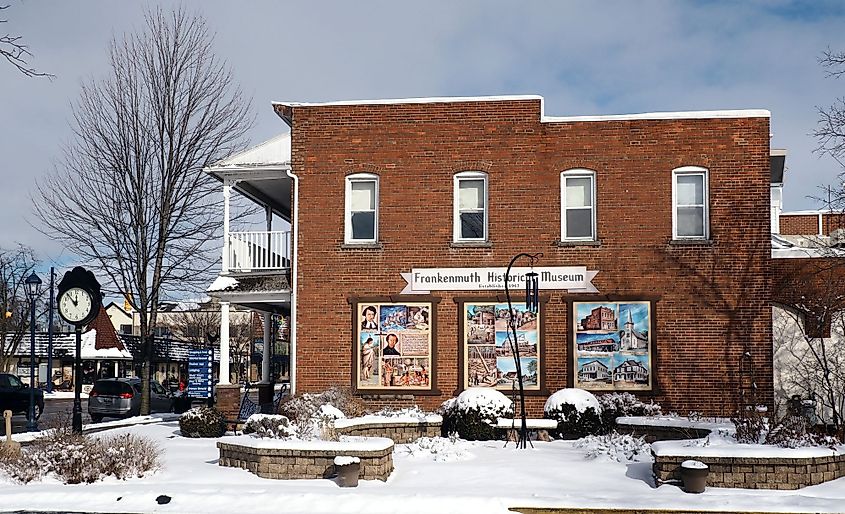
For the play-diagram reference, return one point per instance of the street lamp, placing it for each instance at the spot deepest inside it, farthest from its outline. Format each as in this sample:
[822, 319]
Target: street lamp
[33, 290]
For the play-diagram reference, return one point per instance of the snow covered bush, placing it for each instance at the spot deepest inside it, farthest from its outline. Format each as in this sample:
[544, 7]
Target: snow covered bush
[306, 407]
[620, 448]
[439, 449]
[271, 426]
[577, 412]
[474, 412]
[202, 422]
[616, 405]
[75, 459]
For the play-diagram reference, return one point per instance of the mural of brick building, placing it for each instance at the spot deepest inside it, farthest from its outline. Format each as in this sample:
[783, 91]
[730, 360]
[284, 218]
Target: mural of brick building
[601, 318]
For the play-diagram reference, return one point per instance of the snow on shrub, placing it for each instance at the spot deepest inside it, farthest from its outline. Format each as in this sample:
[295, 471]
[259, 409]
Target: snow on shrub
[329, 411]
[577, 412]
[474, 411]
[615, 405]
[413, 412]
[439, 449]
[202, 422]
[621, 448]
[273, 426]
[75, 459]
[306, 407]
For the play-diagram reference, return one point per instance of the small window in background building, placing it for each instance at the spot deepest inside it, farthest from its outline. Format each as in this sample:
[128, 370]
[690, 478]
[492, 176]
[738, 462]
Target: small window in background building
[126, 329]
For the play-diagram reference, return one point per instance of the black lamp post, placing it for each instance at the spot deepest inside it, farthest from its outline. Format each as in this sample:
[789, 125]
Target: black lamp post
[33, 290]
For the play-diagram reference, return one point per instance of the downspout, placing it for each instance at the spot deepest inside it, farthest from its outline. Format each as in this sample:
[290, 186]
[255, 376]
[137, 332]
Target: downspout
[294, 280]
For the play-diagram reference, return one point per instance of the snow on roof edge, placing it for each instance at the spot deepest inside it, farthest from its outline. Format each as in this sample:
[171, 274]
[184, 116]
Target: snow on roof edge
[668, 115]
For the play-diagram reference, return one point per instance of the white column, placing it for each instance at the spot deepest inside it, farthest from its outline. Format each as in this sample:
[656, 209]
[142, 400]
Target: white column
[227, 193]
[265, 357]
[224, 343]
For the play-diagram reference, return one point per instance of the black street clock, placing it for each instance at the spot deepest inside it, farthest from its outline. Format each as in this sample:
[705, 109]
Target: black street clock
[79, 297]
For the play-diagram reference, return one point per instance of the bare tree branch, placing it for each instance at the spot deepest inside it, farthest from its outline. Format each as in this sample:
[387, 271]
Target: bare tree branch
[130, 196]
[16, 52]
[15, 265]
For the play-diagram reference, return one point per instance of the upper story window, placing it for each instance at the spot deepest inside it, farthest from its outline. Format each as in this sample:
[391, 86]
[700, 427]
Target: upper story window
[690, 200]
[578, 205]
[361, 208]
[470, 215]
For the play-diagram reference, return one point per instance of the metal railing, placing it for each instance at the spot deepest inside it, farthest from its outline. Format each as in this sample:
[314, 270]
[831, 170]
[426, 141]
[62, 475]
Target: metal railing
[255, 251]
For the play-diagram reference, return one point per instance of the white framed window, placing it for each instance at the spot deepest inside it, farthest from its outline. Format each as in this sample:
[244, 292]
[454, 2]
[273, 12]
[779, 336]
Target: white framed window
[578, 205]
[470, 207]
[361, 208]
[690, 203]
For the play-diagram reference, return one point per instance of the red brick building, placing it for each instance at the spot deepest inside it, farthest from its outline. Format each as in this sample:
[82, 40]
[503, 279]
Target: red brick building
[661, 218]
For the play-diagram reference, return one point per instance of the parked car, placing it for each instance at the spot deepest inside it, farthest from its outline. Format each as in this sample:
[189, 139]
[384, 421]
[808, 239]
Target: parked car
[121, 397]
[14, 396]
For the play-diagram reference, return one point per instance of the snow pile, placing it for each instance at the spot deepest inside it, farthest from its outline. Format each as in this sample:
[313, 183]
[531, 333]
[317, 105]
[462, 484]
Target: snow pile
[617, 447]
[489, 402]
[345, 460]
[331, 412]
[578, 398]
[693, 464]
[626, 404]
[438, 449]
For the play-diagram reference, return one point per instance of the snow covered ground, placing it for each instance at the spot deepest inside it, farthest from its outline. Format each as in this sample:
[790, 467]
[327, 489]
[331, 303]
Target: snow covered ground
[465, 477]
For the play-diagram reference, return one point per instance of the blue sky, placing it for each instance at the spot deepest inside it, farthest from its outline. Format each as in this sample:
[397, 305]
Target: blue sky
[582, 57]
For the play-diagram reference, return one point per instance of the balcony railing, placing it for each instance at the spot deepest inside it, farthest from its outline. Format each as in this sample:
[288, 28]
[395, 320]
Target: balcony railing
[257, 251]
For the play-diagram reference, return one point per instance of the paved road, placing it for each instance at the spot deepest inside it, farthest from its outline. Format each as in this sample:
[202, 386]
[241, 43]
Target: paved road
[55, 411]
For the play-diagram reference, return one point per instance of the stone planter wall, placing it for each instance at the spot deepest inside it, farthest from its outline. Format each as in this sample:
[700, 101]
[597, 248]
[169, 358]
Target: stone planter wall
[652, 433]
[757, 473]
[295, 463]
[401, 432]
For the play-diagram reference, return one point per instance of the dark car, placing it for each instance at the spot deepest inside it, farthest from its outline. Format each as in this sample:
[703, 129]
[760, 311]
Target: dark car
[14, 396]
[121, 398]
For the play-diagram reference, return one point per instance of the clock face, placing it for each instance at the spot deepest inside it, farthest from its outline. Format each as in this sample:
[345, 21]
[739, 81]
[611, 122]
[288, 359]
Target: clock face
[75, 305]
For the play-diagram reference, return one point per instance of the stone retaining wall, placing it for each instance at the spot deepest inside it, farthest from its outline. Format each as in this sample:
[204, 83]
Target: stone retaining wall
[757, 473]
[401, 432]
[295, 463]
[653, 433]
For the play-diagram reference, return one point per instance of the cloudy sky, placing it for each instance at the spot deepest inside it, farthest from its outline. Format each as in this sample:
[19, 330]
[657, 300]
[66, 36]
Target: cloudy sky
[583, 57]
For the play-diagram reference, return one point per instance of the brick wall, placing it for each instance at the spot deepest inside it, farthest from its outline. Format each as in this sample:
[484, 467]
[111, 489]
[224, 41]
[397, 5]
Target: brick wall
[808, 224]
[713, 298]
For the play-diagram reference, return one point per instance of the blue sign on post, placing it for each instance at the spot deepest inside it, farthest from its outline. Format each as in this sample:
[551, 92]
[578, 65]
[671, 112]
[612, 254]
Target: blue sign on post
[199, 373]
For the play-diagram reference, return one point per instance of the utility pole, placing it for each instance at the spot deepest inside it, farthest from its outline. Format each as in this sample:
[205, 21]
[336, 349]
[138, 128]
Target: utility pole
[50, 332]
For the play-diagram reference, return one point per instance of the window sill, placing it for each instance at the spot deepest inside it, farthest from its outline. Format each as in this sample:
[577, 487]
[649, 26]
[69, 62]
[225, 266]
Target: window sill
[567, 244]
[471, 244]
[691, 242]
[361, 246]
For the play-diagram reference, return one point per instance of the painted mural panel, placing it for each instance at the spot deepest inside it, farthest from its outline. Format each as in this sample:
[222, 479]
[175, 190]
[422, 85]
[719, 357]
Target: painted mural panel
[613, 345]
[489, 347]
[393, 345]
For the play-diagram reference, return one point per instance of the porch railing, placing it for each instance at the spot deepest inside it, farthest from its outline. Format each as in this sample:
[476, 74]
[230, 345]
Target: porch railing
[256, 251]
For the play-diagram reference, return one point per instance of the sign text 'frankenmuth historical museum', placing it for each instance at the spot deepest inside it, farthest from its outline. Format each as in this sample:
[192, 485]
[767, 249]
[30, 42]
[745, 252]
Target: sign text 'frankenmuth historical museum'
[575, 279]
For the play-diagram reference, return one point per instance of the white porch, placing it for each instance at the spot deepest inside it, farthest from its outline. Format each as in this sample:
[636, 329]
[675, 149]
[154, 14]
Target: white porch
[256, 264]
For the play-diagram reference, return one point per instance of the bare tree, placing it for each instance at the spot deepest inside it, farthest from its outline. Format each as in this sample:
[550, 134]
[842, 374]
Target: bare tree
[15, 265]
[16, 52]
[809, 334]
[130, 196]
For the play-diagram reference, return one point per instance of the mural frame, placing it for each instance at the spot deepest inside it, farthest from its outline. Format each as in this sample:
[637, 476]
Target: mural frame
[358, 303]
[463, 347]
[614, 337]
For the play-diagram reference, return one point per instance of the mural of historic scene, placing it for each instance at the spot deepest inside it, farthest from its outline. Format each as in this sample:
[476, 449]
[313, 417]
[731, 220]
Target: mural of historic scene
[526, 340]
[597, 343]
[596, 316]
[613, 345]
[632, 370]
[488, 351]
[481, 324]
[370, 352]
[595, 371]
[481, 366]
[507, 376]
[394, 345]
